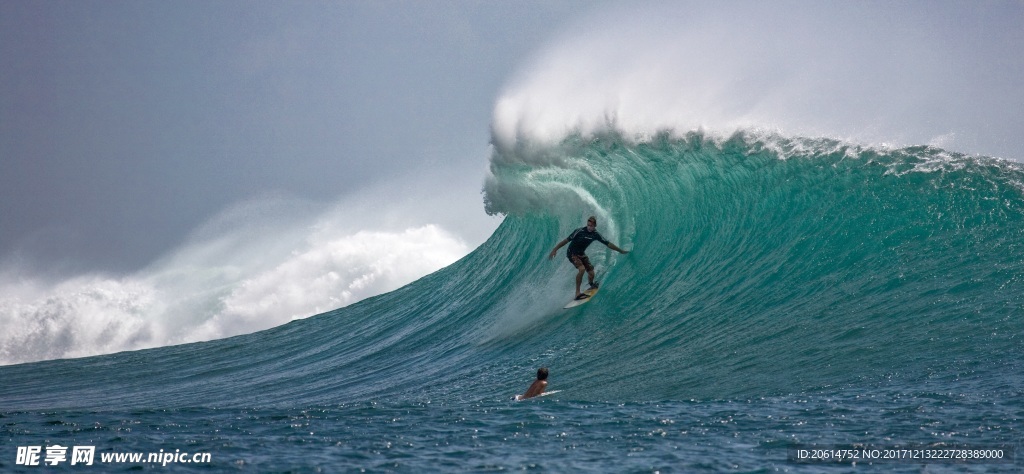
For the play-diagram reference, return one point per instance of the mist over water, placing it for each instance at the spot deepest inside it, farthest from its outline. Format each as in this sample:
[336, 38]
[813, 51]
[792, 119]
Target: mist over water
[877, 73]
[257, 265]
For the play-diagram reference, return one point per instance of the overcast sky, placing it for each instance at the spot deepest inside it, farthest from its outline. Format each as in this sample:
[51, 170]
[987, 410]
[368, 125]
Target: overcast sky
[127, 125]
[124, 125]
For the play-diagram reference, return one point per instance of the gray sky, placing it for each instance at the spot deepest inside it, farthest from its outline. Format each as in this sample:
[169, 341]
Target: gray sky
[125, 125]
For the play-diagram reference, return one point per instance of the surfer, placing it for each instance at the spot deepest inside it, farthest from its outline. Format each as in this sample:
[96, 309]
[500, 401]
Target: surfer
[538, 386]
[578, 242]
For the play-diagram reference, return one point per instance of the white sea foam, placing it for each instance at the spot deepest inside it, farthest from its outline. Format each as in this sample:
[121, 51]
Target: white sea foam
[258, 265]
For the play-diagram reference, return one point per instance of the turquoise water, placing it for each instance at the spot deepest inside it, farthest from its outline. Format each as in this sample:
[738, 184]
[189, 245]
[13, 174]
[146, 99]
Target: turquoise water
[780, 292]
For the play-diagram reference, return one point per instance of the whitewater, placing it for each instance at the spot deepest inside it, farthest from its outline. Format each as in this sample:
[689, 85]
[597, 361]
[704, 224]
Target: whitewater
[792, 283]
[256, 265]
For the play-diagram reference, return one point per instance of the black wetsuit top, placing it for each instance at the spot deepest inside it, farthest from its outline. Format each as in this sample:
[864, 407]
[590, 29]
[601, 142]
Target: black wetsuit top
[581, 238]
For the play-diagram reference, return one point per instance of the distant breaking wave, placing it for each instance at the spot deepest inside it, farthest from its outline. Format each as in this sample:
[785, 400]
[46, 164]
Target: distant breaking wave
[259, 265]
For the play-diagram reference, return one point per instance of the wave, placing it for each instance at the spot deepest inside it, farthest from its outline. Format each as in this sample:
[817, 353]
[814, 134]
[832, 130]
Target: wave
[258, 265]
[760, 265]
[764, 264]
[789, 233]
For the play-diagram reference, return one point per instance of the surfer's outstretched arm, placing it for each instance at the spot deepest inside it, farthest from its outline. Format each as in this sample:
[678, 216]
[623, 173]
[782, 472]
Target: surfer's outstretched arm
[555, 250]
[616, 248]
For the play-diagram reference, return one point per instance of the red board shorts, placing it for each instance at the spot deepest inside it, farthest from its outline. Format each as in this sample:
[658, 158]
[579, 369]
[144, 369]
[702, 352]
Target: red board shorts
[581, 261]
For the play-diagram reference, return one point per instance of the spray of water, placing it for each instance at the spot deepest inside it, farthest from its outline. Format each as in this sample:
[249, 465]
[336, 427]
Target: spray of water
[257, 265]
[876, 73]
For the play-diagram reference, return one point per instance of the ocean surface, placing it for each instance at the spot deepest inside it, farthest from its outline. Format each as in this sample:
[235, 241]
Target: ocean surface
[782, 293]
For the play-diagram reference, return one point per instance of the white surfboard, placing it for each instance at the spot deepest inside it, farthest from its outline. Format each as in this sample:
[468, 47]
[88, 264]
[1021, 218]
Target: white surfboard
[590, 295]
[520, 398]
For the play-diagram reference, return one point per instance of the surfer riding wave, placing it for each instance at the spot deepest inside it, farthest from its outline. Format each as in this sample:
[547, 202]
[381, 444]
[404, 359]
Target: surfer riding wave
[578, 242]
